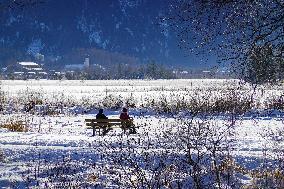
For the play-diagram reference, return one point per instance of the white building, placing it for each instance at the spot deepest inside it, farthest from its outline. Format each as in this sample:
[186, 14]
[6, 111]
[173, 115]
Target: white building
[25, 70]
[78, 67]
[31, 66]
[87, 62]
[74, 67]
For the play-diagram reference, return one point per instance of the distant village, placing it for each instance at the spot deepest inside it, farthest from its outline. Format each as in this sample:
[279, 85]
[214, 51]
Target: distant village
[85, 70]
[32, 70]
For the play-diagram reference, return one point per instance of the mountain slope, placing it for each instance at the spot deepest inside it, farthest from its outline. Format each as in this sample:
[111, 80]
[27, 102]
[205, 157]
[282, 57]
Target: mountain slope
[56, 28]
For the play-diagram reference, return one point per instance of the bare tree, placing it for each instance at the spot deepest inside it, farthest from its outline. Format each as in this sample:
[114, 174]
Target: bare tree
[229, 28]
[261, 66]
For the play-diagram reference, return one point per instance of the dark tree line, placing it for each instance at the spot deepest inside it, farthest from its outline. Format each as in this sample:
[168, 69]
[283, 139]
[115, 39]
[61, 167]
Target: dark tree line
[151, 70]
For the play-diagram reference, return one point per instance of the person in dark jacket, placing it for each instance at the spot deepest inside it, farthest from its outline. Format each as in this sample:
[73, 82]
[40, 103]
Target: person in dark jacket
[101, 115]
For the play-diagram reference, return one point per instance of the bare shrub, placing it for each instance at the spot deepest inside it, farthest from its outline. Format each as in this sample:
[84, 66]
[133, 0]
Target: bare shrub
[152, 170]
[225, 102]
[92, 178]
[162, 105]
[206, 144]
[130, 101]
[3, 98]
[28, 95]
[112, 102]
[141, 168]
[64, 173]
[232, 102]
[2, 156]
[271, 173]
[201, 102]
[190, 154]
[276, 103]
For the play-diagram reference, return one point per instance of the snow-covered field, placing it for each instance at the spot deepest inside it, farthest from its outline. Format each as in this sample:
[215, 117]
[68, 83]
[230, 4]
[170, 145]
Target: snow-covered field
[168, 151]
[93, 91]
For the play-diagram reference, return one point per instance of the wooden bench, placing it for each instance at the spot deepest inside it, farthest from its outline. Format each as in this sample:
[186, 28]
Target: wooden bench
[104, 125]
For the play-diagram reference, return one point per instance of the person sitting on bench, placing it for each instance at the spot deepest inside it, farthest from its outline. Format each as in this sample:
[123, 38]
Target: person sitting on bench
[124, 114]
[128, 122]
[101, 115]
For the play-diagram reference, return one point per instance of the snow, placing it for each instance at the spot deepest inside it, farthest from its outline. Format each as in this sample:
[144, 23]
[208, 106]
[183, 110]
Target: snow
[62, 139]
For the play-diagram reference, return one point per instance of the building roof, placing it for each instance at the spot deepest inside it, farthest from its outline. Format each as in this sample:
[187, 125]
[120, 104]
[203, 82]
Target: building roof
[28, 63]
[37, 69]
[30, 66]
[44, 73]
[19, 72]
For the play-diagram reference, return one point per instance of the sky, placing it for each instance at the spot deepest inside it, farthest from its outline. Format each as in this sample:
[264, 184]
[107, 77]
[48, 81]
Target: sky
[129, 27]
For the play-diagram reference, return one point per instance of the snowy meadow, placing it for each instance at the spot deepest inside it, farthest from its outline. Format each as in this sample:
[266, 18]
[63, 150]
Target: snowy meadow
[190, 134]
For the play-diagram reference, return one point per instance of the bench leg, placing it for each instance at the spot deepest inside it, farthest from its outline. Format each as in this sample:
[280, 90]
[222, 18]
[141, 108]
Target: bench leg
[94, 131]
[105, 130]
[123, 127]
[101, 131]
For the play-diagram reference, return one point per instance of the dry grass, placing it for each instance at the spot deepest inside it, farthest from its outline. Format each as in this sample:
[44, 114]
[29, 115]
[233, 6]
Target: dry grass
[93, 178]
[15, 126]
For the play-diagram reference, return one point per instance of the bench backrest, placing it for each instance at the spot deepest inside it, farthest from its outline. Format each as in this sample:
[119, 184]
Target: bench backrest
[103, 120]
[109, 122]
